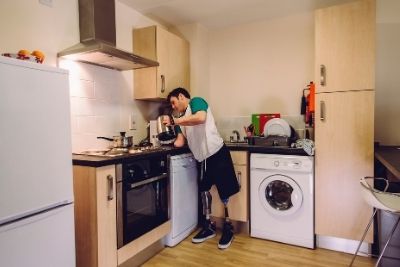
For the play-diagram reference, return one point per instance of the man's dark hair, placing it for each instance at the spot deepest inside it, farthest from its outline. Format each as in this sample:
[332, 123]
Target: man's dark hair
[176, 93]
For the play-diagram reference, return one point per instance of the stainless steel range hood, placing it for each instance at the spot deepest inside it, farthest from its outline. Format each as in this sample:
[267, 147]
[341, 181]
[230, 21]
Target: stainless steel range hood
[98, 39]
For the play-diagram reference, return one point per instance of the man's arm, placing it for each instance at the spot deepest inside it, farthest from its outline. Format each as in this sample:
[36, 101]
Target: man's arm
[194, 119]
[180, 140]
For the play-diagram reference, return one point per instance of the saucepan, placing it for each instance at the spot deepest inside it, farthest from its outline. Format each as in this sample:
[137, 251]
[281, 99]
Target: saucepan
[120, 141]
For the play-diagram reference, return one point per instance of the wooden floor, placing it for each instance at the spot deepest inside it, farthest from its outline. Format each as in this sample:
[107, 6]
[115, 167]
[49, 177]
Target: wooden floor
[248, 251]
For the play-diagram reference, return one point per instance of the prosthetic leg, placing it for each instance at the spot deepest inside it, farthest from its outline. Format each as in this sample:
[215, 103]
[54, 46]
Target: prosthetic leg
[208, 228]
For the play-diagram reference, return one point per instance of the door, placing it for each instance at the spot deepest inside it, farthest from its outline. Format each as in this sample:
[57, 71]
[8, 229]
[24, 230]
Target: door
[36, 169]
[280, 195]
[344, 154]
[183, 195]
[345, 47]
[45, 240]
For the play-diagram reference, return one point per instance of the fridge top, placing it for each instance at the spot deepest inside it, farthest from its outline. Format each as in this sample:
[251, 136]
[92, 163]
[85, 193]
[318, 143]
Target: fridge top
[31, 65]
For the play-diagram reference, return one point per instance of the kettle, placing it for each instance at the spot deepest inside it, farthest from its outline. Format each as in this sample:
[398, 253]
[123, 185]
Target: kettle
[165, 133]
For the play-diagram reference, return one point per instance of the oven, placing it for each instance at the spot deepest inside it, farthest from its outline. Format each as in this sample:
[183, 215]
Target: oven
[142, 200]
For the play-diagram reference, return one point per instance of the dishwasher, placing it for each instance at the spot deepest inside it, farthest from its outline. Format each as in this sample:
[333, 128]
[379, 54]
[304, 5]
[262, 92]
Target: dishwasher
[183, 198]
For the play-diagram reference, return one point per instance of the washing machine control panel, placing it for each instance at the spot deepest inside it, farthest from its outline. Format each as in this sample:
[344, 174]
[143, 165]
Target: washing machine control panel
[281, 162]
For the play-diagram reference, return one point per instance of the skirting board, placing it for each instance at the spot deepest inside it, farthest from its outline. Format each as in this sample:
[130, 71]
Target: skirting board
[342, 245]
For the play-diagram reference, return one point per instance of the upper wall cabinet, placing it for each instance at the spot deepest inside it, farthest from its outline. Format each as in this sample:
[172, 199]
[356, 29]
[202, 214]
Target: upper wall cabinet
[343, 35]
[172, 53]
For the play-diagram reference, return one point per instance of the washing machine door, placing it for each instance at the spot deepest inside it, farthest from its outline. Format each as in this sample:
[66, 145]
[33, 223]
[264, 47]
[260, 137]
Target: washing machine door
[280, 195]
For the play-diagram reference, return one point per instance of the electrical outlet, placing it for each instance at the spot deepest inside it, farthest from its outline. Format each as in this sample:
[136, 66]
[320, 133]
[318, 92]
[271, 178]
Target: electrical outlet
[46, 2]
[132, 122]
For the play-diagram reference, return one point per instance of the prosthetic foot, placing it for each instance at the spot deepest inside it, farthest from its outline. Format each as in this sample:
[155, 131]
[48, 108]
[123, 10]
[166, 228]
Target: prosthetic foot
[227, 231]
[208, 228]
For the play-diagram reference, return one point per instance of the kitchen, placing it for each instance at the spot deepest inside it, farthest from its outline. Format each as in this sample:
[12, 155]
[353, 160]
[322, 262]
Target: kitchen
[102, 100]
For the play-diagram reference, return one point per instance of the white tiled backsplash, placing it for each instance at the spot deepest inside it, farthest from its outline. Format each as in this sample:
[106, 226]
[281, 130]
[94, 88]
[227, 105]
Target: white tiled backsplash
[101, 105]
[226, 125]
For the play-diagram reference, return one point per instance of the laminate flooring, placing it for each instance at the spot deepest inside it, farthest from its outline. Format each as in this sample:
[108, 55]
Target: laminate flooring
[248, 251]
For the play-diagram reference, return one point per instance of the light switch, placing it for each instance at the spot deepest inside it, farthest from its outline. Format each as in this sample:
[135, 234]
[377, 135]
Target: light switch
[132, 121]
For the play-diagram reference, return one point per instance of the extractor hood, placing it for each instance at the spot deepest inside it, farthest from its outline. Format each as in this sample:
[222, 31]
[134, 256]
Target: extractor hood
[98, 39]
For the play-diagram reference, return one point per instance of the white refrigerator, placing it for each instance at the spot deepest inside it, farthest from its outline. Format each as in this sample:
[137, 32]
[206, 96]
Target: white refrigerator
[36, 192]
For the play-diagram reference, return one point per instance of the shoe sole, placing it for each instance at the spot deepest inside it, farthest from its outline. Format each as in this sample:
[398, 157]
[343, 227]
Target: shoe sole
[226, 245]
[197, 241]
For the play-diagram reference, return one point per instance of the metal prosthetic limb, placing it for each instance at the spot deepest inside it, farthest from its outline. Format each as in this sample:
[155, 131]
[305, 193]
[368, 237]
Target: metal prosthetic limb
[225, 201]
[206, 200]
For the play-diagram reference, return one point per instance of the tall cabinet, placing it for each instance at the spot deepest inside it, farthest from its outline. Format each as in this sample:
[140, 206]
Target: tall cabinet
[344, 118]
[171, 52]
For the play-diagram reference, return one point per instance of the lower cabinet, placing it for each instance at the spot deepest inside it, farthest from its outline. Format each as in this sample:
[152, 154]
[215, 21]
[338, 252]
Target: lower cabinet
[95, 216]
[238, 203]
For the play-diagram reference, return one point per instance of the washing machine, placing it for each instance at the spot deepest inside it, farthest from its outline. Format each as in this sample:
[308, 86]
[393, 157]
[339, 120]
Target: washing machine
[282, 198]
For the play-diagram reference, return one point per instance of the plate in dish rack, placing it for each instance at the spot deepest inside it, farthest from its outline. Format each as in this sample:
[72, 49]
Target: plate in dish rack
[277, 126]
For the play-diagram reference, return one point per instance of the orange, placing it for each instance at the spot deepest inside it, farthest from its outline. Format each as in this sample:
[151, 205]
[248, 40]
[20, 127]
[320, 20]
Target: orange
[24, 53]
[39, 55]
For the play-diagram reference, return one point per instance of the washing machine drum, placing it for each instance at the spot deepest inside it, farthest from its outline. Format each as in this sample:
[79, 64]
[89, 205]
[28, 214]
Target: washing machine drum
[280, 195]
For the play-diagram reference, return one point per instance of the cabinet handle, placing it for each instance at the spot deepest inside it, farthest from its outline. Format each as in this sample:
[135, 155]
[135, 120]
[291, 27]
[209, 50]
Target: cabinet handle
[239, 178]
[110, 194]
[322, 109]
[322, 75]
[162, 83]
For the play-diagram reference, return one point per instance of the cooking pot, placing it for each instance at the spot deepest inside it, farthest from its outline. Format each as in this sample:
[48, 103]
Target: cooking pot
[120, 141]
[165, 133]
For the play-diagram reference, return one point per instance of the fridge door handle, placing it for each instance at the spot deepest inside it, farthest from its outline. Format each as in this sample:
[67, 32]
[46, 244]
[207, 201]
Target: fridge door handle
[162, 83]
[239, 178]
[322, 111]
[110, 194]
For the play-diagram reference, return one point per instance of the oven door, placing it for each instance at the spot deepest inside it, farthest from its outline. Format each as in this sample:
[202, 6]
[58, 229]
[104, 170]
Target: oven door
[144, 206]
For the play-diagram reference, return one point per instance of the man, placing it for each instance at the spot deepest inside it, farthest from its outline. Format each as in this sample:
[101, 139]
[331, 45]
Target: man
[197, 126]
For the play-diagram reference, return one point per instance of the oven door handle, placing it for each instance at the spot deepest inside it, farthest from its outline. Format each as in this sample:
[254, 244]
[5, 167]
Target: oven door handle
[149, 180]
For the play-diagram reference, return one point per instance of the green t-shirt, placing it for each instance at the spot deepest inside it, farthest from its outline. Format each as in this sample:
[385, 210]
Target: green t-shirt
[196, 104]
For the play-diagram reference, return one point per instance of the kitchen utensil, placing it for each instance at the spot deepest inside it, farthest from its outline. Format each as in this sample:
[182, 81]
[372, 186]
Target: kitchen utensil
[264, 118]
[165, 133]
[277, 126]
[120, 141]
[255, 120]
[303, 105]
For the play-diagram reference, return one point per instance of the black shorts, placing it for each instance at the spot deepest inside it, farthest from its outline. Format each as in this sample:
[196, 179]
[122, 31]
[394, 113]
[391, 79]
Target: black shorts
[218, 169]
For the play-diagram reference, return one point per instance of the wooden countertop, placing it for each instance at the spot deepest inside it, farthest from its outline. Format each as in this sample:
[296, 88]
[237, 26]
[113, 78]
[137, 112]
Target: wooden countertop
[389, 156]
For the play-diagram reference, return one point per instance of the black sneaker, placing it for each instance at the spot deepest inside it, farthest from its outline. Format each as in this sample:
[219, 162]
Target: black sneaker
[227, 236]
[207, 232]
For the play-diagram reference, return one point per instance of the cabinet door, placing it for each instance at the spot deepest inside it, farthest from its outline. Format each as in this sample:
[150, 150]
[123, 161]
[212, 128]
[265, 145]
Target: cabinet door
[238, 203]
[344, 154]
[171, 52]
[345, 46]
[95, 216]
[178, 71]
[151, 42]
[106, 216]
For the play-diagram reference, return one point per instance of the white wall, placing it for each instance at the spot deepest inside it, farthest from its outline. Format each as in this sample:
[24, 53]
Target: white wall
[197, 35]
[261, 67]
[387, 97]
[101, 99]
[32, 26]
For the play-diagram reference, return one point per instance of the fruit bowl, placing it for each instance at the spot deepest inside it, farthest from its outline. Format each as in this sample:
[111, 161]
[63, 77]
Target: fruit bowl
[36, 56]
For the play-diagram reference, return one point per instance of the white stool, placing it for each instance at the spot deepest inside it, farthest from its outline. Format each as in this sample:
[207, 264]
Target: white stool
[385, 201]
